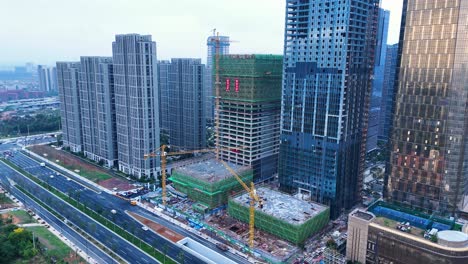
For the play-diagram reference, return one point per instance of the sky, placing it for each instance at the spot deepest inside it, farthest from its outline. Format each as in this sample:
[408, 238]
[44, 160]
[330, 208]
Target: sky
[46, 31]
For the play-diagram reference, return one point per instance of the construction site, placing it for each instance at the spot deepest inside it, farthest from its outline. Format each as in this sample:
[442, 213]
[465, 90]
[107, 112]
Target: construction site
[249, 111]
[208, 182]
[282, 215]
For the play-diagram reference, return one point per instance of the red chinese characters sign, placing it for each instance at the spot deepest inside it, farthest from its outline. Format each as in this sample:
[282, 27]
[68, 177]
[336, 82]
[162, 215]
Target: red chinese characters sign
[228, 85]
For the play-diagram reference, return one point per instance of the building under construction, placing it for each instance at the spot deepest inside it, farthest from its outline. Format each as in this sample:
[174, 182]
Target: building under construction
[281, 214]
[249, 111]
[208, 182]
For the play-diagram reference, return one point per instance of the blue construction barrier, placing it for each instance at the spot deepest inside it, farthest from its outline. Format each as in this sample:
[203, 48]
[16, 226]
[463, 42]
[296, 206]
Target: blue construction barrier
[440, 226]
[402, 217]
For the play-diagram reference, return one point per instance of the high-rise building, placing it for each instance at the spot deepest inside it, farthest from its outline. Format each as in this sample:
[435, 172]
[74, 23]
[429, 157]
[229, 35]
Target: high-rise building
[210, 65]
[47, 78]
[329, 50]
[429, 151]
[163, 85]
[249, 112]
[97, 103]
[183, 102]
[388, 95]
[136, 103]
[378, 80]
[68, 76]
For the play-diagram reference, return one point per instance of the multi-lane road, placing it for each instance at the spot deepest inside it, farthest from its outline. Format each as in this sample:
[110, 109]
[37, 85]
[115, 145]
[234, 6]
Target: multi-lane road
[120, 246]
[105, 204]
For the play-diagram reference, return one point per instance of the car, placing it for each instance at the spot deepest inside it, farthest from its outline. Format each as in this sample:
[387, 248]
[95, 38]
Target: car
[144, 228]
[68, 179]
[51, 176]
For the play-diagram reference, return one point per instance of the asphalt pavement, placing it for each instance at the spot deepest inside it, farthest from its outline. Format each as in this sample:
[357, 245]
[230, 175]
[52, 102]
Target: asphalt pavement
[111, 240]
[103, 203]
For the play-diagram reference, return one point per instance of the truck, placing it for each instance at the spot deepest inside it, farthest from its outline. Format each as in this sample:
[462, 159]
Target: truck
[222, 246]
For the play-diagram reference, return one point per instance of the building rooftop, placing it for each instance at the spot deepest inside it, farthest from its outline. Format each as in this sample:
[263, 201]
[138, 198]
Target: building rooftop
[279, 205]
[210, 170]
[363, 215]
[410, 223]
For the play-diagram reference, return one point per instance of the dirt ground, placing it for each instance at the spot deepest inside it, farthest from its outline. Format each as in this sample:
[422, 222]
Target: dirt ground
[66, 158]
[120, 184]
[162, 230]
[15, 219]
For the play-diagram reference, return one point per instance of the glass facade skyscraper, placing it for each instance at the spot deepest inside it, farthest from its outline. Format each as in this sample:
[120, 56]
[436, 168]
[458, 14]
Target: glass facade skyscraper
[378, 80]
[388, 94]
[429, 159]
[329, 50]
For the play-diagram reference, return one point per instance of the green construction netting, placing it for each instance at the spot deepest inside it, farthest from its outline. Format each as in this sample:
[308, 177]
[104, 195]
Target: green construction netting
[210, 194]
[251, 78]
[296, 234]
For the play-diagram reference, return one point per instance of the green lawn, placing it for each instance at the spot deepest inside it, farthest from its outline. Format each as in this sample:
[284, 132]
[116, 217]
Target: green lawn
[23, 216]
[5, 200]
[55, 247]
[94, 176]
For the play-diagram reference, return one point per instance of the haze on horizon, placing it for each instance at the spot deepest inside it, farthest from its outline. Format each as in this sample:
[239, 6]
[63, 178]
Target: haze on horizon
[46, 31]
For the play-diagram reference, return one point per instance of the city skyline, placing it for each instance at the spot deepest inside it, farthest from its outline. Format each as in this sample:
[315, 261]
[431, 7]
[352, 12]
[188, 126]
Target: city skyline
[52, 41]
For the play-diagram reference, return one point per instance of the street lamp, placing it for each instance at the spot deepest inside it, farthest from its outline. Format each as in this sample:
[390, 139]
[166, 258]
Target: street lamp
[113, 211]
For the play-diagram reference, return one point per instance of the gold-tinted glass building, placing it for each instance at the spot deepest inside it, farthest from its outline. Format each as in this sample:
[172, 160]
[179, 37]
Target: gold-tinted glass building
[429, 152]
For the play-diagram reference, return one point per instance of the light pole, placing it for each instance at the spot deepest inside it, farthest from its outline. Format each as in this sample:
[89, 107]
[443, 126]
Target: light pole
[113, 211]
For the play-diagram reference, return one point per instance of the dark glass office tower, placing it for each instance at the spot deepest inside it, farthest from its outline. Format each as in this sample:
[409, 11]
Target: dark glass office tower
[378, 80]
[329, 50]
[388, 94]
[429, 159]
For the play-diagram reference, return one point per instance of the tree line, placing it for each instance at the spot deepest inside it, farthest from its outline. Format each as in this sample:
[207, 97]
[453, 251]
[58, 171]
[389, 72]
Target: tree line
[40, 123]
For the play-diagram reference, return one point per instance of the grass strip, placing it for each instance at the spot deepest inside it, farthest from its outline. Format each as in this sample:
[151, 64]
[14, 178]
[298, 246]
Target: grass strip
[78, 230]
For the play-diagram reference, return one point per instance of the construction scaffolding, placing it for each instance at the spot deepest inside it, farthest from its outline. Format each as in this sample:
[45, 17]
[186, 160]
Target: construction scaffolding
[331, 256]
[209, 182]
[252, 77]
[282, 215]
[249, 111]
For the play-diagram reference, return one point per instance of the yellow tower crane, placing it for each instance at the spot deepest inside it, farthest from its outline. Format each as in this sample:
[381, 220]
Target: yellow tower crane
[253, 200]
[161, 152]
[217, 43]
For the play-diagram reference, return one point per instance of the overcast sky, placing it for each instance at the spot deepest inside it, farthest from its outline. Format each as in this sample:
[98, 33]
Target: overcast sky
[45, 31]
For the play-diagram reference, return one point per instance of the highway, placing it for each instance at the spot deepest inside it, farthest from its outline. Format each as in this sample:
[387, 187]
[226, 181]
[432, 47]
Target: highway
[68, 232]
[103, 203]
[110, 202]
[123, 248]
